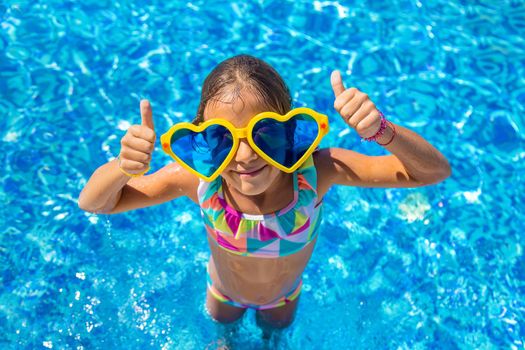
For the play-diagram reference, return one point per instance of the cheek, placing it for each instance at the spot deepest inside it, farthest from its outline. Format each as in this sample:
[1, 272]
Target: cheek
[227, 175]
[230, 177]
[273, 172]
[231, 166]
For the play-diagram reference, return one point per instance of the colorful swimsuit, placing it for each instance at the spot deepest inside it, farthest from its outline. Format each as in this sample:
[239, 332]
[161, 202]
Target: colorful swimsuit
[281, 233]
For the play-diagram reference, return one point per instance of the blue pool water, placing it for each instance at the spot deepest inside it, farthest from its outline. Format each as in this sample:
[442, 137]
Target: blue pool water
[432, 267]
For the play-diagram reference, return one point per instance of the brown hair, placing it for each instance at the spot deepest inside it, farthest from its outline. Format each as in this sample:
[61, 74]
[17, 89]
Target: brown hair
[245, 73]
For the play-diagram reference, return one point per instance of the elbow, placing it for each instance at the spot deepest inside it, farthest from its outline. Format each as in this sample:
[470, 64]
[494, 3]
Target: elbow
[442, 169]
[81, 202]
[445, 171]
[85, 206]
[438, 176]
[448, 172]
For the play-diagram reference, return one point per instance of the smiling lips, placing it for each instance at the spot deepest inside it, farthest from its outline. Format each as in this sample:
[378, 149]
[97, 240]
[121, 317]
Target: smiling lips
[251, 172]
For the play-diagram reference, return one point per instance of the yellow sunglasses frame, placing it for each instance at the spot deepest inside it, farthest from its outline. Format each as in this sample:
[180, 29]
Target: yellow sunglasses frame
[241, 133]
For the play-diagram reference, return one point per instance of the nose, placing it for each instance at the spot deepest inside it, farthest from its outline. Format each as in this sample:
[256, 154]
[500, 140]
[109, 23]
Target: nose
[245, 154]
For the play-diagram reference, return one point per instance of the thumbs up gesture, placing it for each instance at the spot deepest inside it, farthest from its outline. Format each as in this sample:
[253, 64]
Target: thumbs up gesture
[138, 144]
[355, 107]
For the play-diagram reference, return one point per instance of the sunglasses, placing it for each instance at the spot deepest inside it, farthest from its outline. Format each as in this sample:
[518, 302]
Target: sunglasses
[284, 141]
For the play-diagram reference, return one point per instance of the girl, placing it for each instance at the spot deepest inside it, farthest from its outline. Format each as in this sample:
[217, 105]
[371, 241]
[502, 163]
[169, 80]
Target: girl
[261, 202]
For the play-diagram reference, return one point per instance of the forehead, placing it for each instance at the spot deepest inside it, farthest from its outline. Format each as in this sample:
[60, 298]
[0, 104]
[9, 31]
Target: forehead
[238, 110]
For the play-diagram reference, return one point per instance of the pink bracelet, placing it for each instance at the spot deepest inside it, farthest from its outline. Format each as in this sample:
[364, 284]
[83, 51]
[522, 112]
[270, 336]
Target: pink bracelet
[379, 132]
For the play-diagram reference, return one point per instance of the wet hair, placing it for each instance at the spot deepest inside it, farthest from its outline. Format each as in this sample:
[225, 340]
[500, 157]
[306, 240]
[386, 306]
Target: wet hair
[245, 73]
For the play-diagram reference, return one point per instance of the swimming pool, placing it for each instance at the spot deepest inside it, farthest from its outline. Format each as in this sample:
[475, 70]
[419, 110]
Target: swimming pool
[432, 267]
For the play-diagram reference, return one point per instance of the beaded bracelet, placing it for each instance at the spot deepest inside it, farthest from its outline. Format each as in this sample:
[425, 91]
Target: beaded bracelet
[393, 135]
[379, 132]
[129, 174]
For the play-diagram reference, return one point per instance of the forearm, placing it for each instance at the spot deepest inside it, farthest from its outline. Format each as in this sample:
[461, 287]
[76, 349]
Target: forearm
[421, 160]
[103, 189]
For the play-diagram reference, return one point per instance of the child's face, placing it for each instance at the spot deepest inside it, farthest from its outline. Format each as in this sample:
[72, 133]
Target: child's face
[247, 172]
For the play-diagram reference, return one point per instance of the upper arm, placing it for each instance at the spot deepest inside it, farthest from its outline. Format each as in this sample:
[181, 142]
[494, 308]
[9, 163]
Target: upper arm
[337, 166]
[168, 183]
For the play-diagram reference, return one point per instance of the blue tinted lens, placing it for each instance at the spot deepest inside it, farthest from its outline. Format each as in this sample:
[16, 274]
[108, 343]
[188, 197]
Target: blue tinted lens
[203, 151]
[285, 142]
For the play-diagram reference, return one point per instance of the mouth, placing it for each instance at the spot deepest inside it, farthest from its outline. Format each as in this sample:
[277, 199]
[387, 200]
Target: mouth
[251, 173]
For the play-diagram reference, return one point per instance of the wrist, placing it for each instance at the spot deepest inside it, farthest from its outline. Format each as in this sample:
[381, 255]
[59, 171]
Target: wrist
[129, 174]
[380, 131]
[388, 135]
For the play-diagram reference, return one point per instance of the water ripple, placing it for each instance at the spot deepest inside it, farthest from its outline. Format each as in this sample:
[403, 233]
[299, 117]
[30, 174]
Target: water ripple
[432, 267]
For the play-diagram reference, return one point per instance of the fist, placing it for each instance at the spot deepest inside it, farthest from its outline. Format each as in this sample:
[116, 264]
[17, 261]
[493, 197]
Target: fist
[138, 143]
[355, 107]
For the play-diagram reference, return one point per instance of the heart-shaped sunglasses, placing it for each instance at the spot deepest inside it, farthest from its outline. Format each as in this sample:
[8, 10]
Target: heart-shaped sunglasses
[284, 141]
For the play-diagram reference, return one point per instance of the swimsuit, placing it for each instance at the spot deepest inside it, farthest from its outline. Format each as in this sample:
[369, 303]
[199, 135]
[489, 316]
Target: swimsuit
[273, 235]
[223, 298]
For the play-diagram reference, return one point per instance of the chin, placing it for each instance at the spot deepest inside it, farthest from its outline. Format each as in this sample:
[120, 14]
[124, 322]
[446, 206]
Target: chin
[251, 190]
[253, 187]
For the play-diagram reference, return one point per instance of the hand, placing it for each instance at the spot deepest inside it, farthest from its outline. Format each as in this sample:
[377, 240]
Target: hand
[138, 143]
[355, 107]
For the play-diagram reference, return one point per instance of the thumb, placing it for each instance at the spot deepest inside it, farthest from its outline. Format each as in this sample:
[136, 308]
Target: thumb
[337, 83]
[146, 114]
